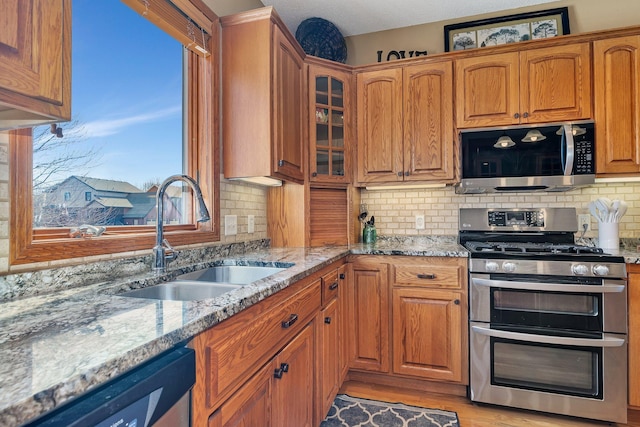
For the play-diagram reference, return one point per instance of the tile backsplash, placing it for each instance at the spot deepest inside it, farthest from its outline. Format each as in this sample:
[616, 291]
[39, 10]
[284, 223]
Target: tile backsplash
[395, 210]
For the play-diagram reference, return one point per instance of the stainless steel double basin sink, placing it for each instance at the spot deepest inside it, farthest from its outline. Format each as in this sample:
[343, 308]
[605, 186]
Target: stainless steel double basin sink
[204, 284]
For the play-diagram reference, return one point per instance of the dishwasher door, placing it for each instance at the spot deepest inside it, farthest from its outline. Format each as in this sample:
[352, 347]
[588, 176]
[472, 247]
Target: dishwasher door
[156, 393]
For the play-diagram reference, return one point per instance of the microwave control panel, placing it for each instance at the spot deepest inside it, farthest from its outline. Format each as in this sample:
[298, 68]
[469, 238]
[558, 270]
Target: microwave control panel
[584, 161]
[516, 218]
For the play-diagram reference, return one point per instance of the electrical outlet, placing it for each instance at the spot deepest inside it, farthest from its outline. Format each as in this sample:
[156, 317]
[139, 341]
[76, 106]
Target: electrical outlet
[251, 224]
[230, 225]
[419, 222]
[582, 220]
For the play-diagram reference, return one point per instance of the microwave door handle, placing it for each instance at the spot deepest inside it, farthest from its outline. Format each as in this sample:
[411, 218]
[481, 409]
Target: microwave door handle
[550, 287]
[546, 339]
[567, 137]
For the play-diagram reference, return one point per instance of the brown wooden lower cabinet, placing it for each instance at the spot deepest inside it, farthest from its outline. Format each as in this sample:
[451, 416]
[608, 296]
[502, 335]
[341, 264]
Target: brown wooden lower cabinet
[633, 295]
[422, 333]
[370, 314]
[280, 394]
[388, 319]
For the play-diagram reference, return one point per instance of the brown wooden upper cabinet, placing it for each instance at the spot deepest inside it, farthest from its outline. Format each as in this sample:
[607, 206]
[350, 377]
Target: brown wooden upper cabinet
[531, 86]
[330, 124]
[262, 97]
[35, 63]
[616, 69]
[405, 124]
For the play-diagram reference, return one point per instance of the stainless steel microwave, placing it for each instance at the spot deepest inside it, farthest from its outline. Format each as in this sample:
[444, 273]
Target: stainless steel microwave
[550, 157]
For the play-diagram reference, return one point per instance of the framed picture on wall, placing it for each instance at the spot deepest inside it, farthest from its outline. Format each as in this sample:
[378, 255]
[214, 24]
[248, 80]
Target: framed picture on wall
[506, 29]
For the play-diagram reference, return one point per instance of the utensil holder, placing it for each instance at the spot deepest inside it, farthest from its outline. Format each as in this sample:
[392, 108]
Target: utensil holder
[608, 238]
[369, 234]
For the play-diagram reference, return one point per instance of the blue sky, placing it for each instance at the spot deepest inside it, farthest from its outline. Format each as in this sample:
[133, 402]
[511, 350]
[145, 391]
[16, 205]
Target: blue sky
[126, 92]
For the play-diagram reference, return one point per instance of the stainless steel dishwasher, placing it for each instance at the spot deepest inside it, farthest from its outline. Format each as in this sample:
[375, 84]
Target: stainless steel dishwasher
[156, 393]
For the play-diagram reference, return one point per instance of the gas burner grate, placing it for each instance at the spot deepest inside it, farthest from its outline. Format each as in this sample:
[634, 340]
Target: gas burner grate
[532, 248]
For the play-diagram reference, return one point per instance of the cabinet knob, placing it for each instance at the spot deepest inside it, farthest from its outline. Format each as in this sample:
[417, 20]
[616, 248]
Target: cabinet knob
[284, 367]
[281, 163]
[525, 115]
[314, 174]
[277, 373]
[327, 320]
[341, 276]
[407, 173]
[516, 116]
[456, 301]
[292, 319]
[400, 173]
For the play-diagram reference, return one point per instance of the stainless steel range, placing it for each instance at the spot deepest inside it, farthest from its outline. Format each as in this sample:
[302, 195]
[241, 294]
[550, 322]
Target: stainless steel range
[548, 317]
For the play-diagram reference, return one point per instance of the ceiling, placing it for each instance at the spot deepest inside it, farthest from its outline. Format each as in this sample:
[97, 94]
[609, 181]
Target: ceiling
[353, 17]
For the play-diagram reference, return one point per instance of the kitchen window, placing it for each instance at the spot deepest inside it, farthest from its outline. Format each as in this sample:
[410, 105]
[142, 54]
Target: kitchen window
[29, 243]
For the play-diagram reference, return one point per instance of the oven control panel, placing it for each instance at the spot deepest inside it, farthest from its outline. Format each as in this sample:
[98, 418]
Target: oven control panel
[516, 218]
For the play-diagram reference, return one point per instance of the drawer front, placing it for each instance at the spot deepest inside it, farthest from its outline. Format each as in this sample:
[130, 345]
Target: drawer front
[330, 286]
[234, 353]
[438, 276]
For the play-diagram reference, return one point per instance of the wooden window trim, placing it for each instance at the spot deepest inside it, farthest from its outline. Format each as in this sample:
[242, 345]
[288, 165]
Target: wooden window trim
[27, 245]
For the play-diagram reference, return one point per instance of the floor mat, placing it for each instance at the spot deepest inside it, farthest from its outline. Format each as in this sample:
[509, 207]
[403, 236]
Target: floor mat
[348, 411]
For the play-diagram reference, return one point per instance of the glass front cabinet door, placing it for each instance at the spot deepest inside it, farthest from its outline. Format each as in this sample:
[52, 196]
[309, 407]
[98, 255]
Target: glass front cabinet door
[329, 127]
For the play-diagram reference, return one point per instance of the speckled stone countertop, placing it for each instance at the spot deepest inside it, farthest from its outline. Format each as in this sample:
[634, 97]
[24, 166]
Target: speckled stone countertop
[58, 345]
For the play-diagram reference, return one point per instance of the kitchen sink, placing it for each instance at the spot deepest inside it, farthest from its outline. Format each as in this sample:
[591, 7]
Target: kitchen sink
[232, 274]
[182, 290]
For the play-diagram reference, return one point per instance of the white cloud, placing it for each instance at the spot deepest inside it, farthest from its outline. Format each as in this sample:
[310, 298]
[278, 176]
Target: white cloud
[106, 127]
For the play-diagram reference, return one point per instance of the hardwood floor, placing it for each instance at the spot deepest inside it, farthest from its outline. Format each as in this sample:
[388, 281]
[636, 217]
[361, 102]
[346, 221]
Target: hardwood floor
[474, 414]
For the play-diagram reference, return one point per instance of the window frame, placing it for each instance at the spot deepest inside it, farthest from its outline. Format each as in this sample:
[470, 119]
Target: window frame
[202, 159]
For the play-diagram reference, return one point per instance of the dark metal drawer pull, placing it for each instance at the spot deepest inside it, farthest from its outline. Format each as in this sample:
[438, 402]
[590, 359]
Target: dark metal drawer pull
[333, 286]
[426, 276]
[292, 319]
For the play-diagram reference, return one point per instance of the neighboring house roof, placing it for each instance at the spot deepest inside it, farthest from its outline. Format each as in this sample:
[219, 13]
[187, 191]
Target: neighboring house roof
[142, 203]
[99, 184]
[113, 202]
[172, 191]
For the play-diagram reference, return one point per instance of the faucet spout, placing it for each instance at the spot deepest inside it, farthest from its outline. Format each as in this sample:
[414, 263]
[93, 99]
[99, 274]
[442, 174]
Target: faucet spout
[163, 251]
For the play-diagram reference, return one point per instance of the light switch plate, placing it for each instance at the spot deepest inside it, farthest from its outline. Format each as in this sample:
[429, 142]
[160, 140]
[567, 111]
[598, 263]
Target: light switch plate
[251, 224]
[419, 222]
[230, 225]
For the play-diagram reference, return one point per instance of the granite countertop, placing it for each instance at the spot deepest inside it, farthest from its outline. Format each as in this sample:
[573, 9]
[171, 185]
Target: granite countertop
[56, 346]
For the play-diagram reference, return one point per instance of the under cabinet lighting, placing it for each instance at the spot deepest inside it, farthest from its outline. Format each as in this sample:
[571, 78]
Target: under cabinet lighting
[533, 135]
[504, 142]
[260, 180]
[404, 187]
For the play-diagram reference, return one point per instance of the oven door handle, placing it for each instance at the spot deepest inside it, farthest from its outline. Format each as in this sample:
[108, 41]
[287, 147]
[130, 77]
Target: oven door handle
[552, 287]
[545, 339]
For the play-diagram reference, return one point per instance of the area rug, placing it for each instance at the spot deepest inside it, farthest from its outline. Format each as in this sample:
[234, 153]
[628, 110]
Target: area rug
[348, 411]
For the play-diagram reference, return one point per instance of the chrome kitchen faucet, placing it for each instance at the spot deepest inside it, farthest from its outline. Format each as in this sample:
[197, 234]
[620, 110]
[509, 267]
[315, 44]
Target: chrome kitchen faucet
[163, 251]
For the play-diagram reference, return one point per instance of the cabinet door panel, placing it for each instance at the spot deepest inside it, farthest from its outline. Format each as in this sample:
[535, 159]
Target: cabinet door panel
[555, 83]
[616, 68]
[380, 126]
[293, 393]
[329, 329]
[288, 129]
[250, 406]
[487, 92]
[426, 333]
[428, 121]
[371, 317]
[35, 60]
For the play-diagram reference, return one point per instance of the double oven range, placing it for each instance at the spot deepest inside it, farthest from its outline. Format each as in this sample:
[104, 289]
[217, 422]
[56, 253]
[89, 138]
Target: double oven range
[548, 318]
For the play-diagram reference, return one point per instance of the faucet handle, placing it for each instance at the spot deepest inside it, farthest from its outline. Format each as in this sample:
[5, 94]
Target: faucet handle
[169, 252]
